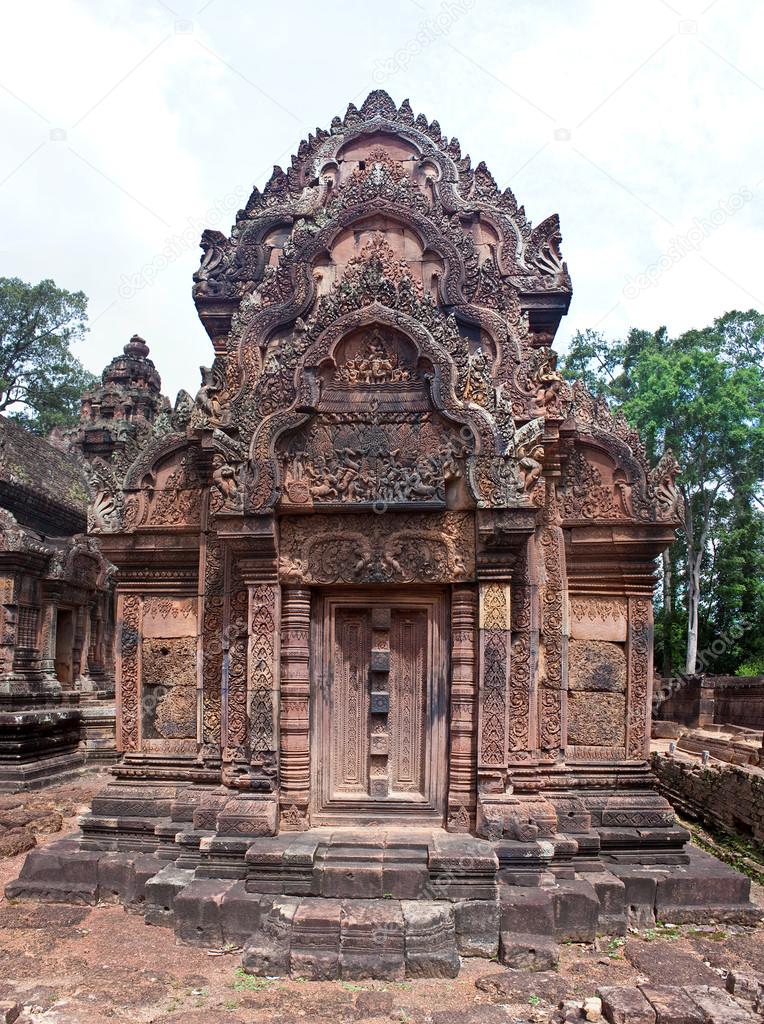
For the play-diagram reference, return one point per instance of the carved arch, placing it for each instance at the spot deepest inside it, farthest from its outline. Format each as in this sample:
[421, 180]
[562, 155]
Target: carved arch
[266, 482]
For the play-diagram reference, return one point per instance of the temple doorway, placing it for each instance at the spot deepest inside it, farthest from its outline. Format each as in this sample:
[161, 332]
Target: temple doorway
[379, 750]
[64, 645]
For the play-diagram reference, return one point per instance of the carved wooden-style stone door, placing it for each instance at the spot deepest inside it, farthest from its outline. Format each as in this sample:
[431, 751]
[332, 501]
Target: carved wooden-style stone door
[379, 740]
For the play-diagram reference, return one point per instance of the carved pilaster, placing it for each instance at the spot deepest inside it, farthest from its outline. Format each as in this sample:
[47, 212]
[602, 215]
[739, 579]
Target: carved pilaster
[523, 694]
[211, 611]
[48, 638]
[263, 682]
[493, 725]
[235, 665]
[295, 708]
[462, 765]
[640, 674]
[554, 636]
[7, 624]
[79, 642]
[129, 614]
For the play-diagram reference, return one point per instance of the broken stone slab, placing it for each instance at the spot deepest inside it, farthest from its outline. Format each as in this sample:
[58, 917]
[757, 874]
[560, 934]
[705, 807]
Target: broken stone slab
[717, 1006]
[430, 931]
[197, 912]
[518, 986]
[611, 893]
[474, 1015]
[266, 959]
[372, 943]
[268, 955]
[477, 927]
[576, 911]
[315, 942]
[526, 952]
[526, 907]
[160, 893]
[622, 1005]
[703, 890]
[16, 841]
[641, 885]
[243, 914]
[747, 987]
[143, 870]
[115, 876]
[672, 1005]
[58, 872]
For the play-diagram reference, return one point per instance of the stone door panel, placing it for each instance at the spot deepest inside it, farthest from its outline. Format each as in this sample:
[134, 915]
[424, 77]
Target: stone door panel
[379, 736]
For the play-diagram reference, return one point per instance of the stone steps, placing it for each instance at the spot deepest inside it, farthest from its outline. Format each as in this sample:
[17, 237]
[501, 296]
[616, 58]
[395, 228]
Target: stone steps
[341, 904]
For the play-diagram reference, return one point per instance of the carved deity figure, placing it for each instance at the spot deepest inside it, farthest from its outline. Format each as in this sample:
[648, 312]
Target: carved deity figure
[210, 398]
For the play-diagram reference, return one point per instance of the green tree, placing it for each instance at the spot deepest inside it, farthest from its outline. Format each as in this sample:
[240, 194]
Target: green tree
[40, 379]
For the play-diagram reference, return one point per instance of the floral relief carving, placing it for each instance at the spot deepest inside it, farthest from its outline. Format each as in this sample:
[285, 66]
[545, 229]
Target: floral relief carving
[389, 548]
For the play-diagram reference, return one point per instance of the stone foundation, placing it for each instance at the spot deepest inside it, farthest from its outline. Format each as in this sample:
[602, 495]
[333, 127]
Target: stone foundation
[375, 903]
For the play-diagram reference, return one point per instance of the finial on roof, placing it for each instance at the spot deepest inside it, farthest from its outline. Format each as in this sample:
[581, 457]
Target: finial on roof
[136, 347]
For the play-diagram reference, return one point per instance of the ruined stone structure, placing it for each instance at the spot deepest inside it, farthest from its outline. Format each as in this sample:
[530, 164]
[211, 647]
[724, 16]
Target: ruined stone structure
[384, 595]
[56, 618]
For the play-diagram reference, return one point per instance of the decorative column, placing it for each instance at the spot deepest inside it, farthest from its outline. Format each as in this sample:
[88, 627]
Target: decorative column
[263, 662]
[129, 616]
[211, 633]
[639, 677]
[295, 709]
[554, 634]
[234, 696]
[95, 657]
[80, 645]
[462, 767]
[523, 696]
[493, 725]
[7, 625]
[48, 641]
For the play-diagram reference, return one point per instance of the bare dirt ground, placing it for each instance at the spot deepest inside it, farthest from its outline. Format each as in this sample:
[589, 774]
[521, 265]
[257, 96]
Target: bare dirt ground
[79, 965]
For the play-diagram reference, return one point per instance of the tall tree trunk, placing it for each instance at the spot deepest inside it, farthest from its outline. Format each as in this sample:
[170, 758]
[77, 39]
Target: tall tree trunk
[693, 587]
[668, 612]
[693, 602]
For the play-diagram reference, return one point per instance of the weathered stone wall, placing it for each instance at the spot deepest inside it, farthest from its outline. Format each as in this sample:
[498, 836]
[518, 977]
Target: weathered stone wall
[739, 700]
[690, 701]
[703, 699]
[722, 796]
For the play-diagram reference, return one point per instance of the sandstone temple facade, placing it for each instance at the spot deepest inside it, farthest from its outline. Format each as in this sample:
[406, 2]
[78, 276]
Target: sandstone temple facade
[384, 589]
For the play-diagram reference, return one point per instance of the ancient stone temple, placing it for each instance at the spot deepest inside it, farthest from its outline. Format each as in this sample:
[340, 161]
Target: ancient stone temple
[384, 596]
[56, 618]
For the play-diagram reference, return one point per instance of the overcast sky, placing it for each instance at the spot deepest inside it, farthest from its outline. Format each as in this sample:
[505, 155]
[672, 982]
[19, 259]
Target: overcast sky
[129, 126]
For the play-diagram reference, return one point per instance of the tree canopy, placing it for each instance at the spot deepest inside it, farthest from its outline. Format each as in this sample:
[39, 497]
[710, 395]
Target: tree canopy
[41, 380]
[702, 395]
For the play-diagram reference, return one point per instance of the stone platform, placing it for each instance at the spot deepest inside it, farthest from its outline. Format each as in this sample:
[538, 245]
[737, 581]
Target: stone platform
[38, 747]
[374, 902]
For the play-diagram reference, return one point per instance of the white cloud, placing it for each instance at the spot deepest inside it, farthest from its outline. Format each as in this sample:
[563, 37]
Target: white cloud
[169, 108]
